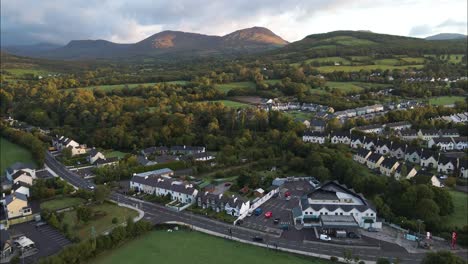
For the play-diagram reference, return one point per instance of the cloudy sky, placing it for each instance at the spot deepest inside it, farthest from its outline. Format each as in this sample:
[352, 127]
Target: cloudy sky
[126, 21]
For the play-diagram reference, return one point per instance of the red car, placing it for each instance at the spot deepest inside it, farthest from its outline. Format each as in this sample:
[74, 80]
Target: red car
[268, 214]
[287, 194]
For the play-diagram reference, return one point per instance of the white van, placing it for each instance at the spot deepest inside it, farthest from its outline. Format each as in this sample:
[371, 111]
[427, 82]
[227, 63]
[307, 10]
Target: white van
[325, 237]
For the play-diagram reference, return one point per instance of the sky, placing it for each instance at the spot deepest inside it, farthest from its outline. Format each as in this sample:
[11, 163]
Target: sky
[25, 22]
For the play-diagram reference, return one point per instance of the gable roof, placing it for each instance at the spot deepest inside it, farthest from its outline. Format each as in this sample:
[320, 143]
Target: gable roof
[314, 134]
[19, 173]
[374, 157]
[397, 124]
[408, 132]
[446, 160]
[362, 152]
[426, 154]
[166, 184]
[452, 131]
[93, 152]
[389, 163]
[19, 166]
[341, 134]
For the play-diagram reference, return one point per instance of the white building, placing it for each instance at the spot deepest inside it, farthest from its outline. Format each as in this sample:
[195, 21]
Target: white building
[164, 186]
[314, 137]
[333, 203]
[443, 144]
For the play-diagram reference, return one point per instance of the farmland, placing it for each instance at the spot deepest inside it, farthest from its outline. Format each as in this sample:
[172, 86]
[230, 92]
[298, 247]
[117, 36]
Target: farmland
[121, 86]
[61, 203]
[345, 68]
[232, 104]
[446, 100]
[226, 87]
[192, 247]
[12, 153]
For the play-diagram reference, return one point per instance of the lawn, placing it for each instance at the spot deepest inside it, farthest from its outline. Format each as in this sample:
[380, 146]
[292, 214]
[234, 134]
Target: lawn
[102, 223]
[20, 72]
[344, 86]
[115, 153]
[61, 203]
[183, 247]
[460, 215]
[299, 115]
[226, 87]
[446, 100]
[11, 153]
[121, 86]
[232, 104]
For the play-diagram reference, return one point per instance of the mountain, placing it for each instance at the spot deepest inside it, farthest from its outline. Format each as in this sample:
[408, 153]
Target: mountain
[253, 36]
[446, 36]
[169, 43]
[361, 43]
[28, 50]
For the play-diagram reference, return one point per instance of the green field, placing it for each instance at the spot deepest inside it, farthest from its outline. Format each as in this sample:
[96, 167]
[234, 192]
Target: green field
[460, 215]
[446, 100]
[344, 86]
[121, 86]
[20, 72]
[272, 81]
[11, 153]
[183, 247]
[232, 104]
[61, 203]
[226, 87]
[115, 153]
[102, 223]
[299, 115]
[356, 68]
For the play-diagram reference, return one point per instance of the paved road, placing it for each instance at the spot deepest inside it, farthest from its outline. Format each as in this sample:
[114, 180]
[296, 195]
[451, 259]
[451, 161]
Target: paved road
[71, 177]
[157, 214]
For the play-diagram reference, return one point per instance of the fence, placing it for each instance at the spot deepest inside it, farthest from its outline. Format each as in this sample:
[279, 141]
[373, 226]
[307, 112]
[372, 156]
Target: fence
[243, 213]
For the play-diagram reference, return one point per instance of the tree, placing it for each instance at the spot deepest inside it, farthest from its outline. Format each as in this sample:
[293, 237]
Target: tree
[383, 261]
[445, 257]
[101, 193]
[53, 221]
[67, 153]
[83, 213]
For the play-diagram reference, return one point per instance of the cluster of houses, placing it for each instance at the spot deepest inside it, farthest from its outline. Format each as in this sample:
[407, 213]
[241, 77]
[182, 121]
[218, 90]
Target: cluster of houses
[360, 111]
[157, 155]
[20, 178]
[276, 105]
[98, 159]
[160, 183]
[372, 152]
[456, 118]
[380, 128]
[427, 134]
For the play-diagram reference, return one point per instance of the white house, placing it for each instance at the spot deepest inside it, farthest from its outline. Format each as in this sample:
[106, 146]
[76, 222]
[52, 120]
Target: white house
[398, 150]
[429, 159]
[460, 143]
[23, 176]
[449, 133]
[95, 155]
[362, 155]
[22, 188]
[413, 155]
[376, 129]
[314, 137]
[447, 165]
[357, 142]
[374, 161]
[410, 172]
[428, 134]
[443, 143]
[398, 126]
[219, 202]
[334, 204]
[163, 186]
[409, 134]
[204, 156]
[388, 166]
[383, 147]
[18, 166]
[340, 138]
[61, 143]
[368, 143]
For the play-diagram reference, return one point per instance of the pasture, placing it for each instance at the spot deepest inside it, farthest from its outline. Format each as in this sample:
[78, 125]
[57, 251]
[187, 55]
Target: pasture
[11, 153]
[183, 247]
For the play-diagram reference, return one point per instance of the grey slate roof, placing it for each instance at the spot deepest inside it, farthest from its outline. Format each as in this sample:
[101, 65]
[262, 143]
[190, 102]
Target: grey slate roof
[388, 162]
[166, 184]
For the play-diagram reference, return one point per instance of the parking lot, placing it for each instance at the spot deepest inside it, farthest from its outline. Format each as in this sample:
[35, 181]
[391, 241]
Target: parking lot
[280, 209]
[47, 239]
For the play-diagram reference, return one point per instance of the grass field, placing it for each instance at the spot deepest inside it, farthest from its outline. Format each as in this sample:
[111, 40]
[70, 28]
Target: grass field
[11, 153]
[232, 104]
[299, 115]
[115, 153]
[446, 100]
[226, 87]
[344, 86]
[57, 204]
[345, 68]
[121, 86]
[182, 247]
[20, 72]
[102, 223]
[460, 215]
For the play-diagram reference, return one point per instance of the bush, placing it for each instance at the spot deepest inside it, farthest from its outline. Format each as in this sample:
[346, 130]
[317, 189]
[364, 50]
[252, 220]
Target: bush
[115, 220]
[334, 259]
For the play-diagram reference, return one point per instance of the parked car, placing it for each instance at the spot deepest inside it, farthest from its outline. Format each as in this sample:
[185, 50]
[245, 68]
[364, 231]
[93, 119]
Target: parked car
[268, 214]
[372, 229]
[258, 211]
[276, 221]
[287, 194]
[39, 224]
[257, 239]
[353, 235]
[227, 184]
[275, 195]
[325, 237]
